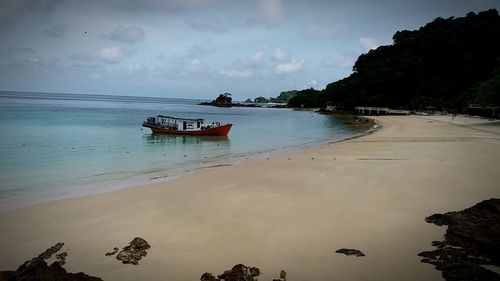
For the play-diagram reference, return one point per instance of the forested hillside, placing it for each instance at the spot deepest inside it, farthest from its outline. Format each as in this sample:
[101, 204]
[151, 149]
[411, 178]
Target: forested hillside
[448, 63]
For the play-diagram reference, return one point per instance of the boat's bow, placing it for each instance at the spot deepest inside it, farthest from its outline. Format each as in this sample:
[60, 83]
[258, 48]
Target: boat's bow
[222, 130]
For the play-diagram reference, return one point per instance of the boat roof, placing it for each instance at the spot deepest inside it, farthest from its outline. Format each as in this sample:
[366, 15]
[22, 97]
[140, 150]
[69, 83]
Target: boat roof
[178, 118]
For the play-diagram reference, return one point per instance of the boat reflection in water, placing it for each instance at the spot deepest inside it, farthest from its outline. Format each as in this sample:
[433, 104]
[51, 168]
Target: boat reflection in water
[183, 151]
[185, 140]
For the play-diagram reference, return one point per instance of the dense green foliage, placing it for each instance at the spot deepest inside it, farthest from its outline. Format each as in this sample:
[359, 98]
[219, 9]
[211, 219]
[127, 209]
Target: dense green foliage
[223, 99]
[285, 96]
[487, 93]
[444, 64]
[260, 100]
[308, 98]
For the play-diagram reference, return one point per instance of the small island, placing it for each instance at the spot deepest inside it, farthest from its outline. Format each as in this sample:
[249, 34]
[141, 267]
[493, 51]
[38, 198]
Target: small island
[281, 101]
[225, 100]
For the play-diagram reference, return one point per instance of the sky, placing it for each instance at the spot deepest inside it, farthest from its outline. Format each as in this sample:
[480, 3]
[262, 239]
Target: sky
[199, 48]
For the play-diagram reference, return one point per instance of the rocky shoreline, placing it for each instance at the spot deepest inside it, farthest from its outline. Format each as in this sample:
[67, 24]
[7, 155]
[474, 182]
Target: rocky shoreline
[38, 269]
[472, 240]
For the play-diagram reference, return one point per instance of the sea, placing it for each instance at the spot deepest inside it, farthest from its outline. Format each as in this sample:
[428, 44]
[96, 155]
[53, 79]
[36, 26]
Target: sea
[55, 145]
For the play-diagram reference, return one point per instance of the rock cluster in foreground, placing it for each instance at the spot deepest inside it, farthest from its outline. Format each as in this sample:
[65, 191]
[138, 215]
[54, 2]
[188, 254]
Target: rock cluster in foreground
[239, 272]
[350, 252]
[472, 239]
[38, 269]
[132, 253]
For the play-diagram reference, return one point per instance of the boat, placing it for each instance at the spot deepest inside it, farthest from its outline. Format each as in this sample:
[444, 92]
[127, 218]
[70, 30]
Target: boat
[184, 126]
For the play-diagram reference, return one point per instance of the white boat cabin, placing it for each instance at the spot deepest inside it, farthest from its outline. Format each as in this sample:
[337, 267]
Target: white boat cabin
[179, 124]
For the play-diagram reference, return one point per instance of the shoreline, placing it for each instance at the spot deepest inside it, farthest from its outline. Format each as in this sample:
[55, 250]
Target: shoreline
[289, 212]
[163, 175]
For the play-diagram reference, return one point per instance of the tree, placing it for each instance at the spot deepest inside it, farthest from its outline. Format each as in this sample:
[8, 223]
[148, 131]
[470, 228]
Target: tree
[308, 98]
[261, 100]
[487, 93]
[285, 96]
[224, 99]
[435, 65]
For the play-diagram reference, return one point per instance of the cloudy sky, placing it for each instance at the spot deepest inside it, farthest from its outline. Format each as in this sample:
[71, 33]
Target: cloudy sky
[199, 48]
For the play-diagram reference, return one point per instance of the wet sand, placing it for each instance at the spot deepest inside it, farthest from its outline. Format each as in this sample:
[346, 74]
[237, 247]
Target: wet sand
[290, 212]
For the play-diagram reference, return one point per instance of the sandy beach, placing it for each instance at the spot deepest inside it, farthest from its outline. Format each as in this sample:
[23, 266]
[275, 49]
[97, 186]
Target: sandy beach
[286, 212]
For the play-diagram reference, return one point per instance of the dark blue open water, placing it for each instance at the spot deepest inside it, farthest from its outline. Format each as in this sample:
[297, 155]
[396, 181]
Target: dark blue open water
[54, 145]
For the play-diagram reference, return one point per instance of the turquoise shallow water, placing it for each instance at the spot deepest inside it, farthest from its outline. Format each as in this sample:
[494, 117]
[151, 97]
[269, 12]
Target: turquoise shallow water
[54, 145]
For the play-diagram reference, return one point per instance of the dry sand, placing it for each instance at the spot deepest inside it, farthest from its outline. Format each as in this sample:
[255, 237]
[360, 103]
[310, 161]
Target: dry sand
[289, 212]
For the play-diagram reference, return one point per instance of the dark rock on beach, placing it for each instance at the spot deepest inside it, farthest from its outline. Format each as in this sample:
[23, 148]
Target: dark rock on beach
[208, 277]
[47, 254]
[350, 252]
[134, 252]
[115, 250]
[61, 258]
[239, 272]
[38, 269]
[282, 276]
[472, 239]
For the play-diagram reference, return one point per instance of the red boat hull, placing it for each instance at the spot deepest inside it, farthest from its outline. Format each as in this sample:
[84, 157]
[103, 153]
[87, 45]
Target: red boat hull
[217, 131]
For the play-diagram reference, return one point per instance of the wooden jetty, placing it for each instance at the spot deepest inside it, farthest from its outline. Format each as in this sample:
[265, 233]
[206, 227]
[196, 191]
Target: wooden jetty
[368, 110]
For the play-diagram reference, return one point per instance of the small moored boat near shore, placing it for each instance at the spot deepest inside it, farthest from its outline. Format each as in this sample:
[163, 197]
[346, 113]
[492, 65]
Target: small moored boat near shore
[184, 126]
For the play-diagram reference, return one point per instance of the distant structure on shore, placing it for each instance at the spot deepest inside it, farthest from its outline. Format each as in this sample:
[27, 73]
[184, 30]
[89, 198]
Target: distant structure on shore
[486, 111]
[367, 110]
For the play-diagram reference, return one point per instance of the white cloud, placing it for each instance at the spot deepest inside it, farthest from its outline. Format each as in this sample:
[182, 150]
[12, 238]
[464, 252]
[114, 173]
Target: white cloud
[340, 60]
[111, 55]
[368, 43]
[237, 73]
[185, 66]
[257, 65]
[129, 35]
[279, 55]
[138, 71]
[256, 60]
[191, 62]
[247, 67]
[312, 84]
[289, 67]
[194, 66]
